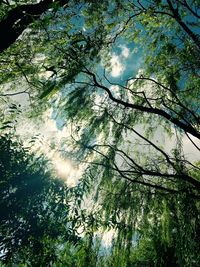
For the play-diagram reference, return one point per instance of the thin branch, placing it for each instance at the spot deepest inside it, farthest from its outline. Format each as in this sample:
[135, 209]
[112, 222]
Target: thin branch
[157, 111]
[14, 94]
[185, 4]
[177, 17]
[170, 90]
[192, 141]
[124, 27]
[19, 18]
[184, 176]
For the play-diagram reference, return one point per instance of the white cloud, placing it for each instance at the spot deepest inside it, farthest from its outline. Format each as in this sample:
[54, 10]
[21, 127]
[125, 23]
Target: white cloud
[148, 87]
[190, 151]
[117, 67]
[66, 169]
[125, 51]
[48, 133]
[115, 90]
[107, 238]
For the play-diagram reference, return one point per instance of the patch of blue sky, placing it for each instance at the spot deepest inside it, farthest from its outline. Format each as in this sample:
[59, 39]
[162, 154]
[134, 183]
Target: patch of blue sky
[126, 60]
[57, 113]
[193, 21]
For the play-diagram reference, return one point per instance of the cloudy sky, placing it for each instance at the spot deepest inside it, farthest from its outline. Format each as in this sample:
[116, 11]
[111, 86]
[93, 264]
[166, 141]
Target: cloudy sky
[125, 62]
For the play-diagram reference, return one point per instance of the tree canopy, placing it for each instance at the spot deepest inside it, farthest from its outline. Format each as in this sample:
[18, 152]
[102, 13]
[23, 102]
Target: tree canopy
[128, 120]
[34, 209]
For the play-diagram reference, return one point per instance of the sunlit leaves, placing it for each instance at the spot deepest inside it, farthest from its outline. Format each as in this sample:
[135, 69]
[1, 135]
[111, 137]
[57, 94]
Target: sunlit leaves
[138, 186]
[33, 206]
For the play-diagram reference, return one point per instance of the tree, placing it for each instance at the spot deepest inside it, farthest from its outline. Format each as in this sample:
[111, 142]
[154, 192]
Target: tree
[117, 126]
[146, 176]
[34, 207]
[165, 102]
[16, 17]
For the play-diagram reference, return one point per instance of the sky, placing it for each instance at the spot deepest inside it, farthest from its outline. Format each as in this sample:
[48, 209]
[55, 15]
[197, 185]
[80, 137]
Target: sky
[50, 129]
[125, 62]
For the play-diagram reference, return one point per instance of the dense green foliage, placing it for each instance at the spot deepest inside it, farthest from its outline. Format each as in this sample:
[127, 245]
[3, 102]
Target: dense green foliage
[129, 129]
[33, 205]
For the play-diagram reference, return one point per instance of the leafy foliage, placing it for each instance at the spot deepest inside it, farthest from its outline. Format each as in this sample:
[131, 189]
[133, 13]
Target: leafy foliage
[146, 192]
[34, 207]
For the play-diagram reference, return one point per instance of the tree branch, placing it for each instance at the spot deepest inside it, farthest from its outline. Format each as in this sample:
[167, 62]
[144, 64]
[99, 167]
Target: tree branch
[177, 17]
[185, 127]
[19, 18]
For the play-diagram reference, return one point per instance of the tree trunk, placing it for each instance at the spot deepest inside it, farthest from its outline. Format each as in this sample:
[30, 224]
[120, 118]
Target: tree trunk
[19, 18]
